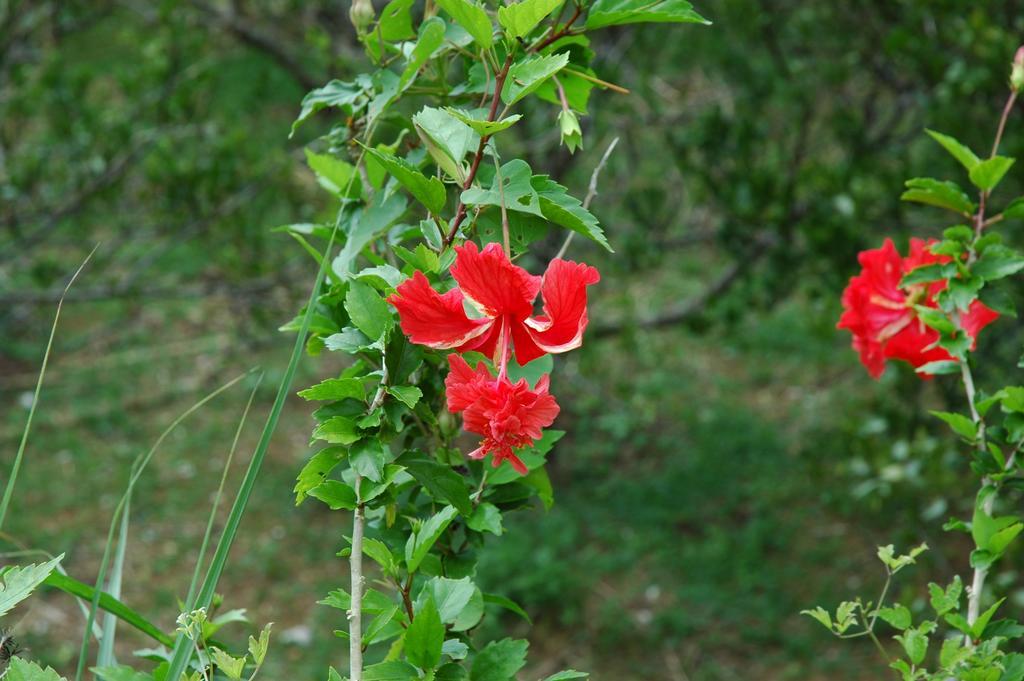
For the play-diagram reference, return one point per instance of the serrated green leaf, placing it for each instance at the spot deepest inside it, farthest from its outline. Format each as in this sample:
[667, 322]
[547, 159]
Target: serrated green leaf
[368, 458]
[529, 74]
[347, 96]
[421, 541]
[998, 261]
[409, 395]
[425, 636]
[617, 12]
[558, 206]
[338, 430]
[967, 158]
[18, 582]
[486, 518]
[519, 194]
[961, 425]
[447, 139]
[335, 494]
[471, 17]
[508, 604]
[451, 596]
[990, 172]
[499, 660]
[430, 38]
[368, 311]
[943, 194]
[443, 484]
[333, 389]
[428, 191]
[364, 226]
[390, 671]
[897, 616]
[482, 126]
[316, 470]
[520, 18]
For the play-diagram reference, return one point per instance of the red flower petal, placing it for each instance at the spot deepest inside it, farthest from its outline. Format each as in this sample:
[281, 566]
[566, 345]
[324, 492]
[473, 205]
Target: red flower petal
[561, 326]
[493, 283]
[435, 320]
[465, 386]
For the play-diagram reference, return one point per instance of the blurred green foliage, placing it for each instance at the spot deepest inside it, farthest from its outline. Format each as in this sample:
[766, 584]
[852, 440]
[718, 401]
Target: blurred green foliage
[729, 462]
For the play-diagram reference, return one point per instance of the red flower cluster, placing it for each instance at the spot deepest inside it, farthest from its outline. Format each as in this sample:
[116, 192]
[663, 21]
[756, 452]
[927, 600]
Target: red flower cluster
[881, 316]
[500, 297]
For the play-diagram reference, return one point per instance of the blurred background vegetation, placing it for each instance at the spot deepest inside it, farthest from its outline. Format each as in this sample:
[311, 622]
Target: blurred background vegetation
[727, 463]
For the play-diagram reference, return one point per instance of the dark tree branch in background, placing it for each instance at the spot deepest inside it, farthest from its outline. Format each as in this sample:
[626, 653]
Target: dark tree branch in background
[166, 291]
[696, 305]
[255, 37]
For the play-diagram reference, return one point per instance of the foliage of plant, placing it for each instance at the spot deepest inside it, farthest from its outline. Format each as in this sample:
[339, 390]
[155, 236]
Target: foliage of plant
[928, 309]
[426, 124]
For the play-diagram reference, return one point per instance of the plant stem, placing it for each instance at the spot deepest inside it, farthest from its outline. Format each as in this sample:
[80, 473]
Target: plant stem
[499, 85]
[355, 613]
[560, 33]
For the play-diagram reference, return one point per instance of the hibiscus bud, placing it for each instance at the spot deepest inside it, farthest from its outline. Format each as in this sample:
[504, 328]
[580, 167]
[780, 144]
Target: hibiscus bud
[361, 14]
[1017, 70]
[572, 134]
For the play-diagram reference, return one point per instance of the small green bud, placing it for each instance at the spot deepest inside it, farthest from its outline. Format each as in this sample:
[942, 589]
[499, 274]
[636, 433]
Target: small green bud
[572, 134]
[1017, 70]
[362, 15]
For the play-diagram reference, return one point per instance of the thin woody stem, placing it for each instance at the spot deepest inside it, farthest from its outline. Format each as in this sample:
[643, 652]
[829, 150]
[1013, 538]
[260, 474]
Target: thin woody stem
[560, 33]
[499, 85]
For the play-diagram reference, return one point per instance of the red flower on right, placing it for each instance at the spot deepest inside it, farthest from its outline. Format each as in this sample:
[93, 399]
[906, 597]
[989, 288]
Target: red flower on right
[881, 316]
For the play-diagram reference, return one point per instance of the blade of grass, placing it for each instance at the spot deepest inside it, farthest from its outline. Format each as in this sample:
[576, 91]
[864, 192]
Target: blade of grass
[189, 600]
[108, 627]
[182, 650]
[108, 603]
[137, 468]
[9, 489]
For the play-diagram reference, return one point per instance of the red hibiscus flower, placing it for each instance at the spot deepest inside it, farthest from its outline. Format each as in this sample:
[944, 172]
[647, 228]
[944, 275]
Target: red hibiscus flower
[508, 415]
[502, 295]
[880, 313]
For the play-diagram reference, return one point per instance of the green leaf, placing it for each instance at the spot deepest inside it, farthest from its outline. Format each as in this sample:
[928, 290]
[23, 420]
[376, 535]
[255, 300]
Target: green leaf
[368, 458]
[508, 604]
[482, 126]
[425, 636]
[17, 583]
[229, 665]
[368, 311]
[367, 224]
[519, 194]
[396, 21]
[333, 174]
[968, 159]
[558, 206]
[346, 96]
[334, 389]
[471, 17]
[421, 541]
[617, 12]
[23, 670]
[408, 395]
[978, 628]
[338, 430]
[946, 600]
[428, 191]
[451, 672]
[316, 470]
[928, 274]
[258, 647]
[471, 614]
[335, 494]
[943, 194]
[961, 425]
[987, 174]
[486, 518]
[390, 671]
[443, 484]
[567, 675]
[529, 74]
[998, 261]
[939, 367]
[1015, 209]
[450, 596]
[431, 37]
[897, 616]
[915, 643]
[447, 139]
[519, 18]
[499, 660]
[455, 649]
[125, 673]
